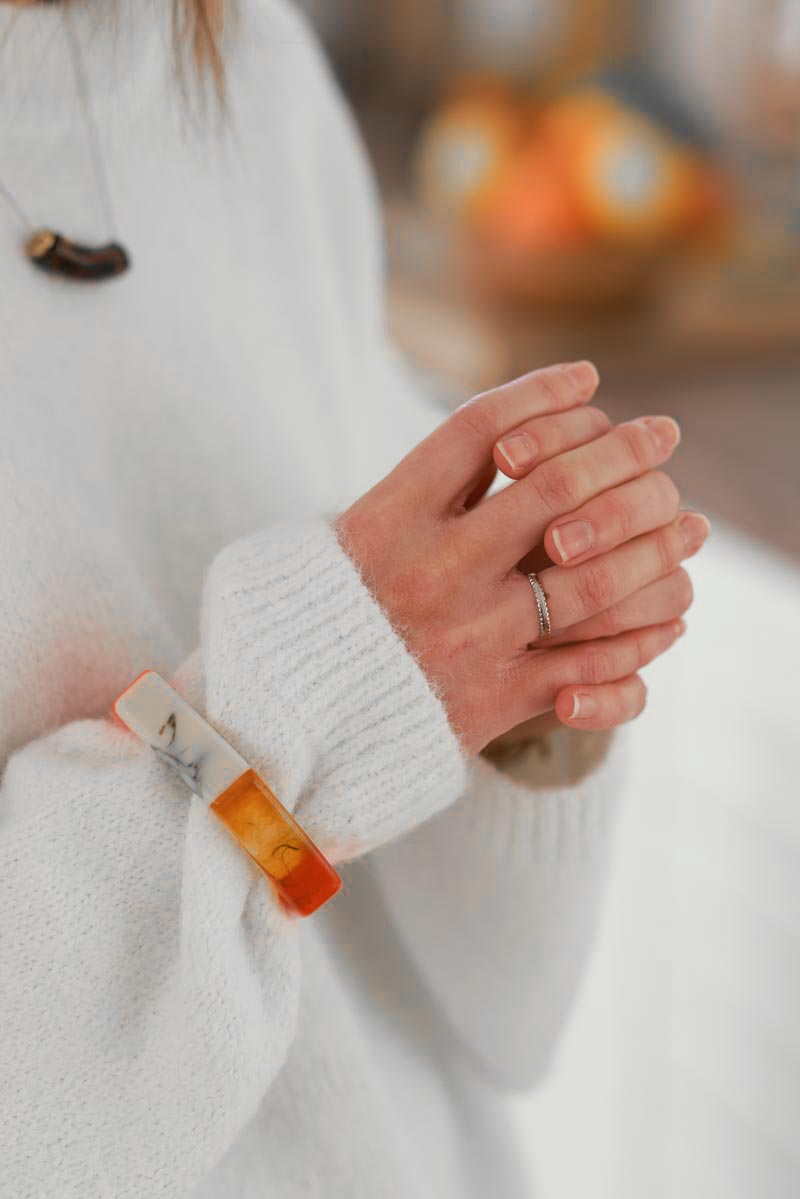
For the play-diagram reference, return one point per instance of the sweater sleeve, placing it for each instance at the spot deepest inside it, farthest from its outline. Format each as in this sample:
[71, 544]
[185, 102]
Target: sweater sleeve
[495, 898]
[496, 901]
[150, 980]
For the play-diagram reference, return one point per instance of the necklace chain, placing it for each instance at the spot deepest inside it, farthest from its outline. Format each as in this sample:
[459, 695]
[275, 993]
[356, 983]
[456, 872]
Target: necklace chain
[14, 206]
[90, 119]
[82, 90]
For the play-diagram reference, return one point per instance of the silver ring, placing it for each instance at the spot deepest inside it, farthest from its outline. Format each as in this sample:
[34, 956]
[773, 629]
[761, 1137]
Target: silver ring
[545, 627]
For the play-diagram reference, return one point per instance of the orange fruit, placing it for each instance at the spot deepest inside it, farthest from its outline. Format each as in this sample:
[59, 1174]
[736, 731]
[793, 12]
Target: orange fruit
[530, 205]
[463, 148]
[632, 182]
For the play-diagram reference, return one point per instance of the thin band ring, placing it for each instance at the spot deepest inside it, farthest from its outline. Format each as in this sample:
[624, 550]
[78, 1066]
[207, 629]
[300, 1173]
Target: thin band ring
[542, 608]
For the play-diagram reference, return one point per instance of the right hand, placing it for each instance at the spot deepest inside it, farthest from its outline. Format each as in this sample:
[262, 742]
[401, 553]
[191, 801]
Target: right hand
[443, 561]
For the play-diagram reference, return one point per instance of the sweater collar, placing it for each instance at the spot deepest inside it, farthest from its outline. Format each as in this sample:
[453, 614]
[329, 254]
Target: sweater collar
[120, 45]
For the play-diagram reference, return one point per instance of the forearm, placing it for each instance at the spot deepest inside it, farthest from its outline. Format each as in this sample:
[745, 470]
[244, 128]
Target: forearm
[150, 979]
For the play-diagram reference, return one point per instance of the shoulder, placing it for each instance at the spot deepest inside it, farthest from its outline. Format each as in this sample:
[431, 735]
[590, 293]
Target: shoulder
[277, 39]
[287, 106]
[279, 74]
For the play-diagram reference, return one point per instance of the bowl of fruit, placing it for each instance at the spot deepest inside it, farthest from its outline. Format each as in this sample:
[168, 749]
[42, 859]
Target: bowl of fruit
[575, 200]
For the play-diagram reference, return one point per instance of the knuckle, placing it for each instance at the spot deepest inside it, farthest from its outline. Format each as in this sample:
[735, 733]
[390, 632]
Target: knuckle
[426, 589]
[666, 550]
[670, 497]
[554, 386]
[417, 593]
[570, 429]
[478, 418]
[556, 487]
[554, 443]
[612, 621]
[595, 587]
[636, 700]
[642, 648]
[600, 420]
[638, 443]
[596, 666]
[552, 436]
[621, 517]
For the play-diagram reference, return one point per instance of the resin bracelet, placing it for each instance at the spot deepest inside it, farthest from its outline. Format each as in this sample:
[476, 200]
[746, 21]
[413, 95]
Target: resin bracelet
[162, 718]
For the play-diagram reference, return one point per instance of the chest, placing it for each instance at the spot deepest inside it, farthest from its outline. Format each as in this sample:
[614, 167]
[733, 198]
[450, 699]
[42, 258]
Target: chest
[149, 420]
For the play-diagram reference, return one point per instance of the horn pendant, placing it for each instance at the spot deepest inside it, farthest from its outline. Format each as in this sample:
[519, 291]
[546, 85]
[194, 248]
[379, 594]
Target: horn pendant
[57, 255]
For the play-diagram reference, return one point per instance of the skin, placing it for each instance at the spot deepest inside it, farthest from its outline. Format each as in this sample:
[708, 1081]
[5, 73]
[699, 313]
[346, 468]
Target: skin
[443, 558]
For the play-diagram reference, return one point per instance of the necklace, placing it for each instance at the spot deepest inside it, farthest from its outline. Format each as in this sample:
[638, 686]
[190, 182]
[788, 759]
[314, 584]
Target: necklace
[51, 251]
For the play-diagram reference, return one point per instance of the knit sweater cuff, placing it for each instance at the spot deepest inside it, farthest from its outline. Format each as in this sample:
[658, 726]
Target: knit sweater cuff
[309, 681]
[524, 821]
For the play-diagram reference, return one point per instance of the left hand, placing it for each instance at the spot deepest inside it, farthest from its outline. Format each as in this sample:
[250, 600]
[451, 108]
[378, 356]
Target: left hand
[612, 519]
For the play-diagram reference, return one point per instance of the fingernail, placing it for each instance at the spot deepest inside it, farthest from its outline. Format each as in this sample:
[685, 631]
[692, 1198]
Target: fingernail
[573, 538]
[519, 450]
[665, 430]
[694, 528]
[584, 375]
[679, 628]
[585, 706]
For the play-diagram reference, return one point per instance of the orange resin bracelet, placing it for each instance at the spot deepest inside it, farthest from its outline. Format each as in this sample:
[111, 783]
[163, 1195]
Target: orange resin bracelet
[161, 717]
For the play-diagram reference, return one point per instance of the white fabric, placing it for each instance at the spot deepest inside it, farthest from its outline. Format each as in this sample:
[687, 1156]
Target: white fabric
[172, 443]
[680, 1075]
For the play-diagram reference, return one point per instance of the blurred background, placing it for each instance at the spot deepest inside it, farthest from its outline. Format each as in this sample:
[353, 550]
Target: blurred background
[621, 181]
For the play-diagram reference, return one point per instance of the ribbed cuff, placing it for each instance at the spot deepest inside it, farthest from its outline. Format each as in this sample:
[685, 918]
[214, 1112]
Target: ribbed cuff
[524, 823]
[309, 681]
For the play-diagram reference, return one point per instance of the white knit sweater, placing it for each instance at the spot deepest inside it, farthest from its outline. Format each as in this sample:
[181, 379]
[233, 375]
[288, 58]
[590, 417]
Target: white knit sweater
[172, 442]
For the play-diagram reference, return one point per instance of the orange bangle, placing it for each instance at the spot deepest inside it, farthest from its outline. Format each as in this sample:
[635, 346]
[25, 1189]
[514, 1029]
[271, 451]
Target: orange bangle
[161, 717]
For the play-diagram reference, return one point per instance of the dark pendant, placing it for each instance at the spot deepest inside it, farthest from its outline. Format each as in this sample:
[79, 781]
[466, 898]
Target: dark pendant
[56, 254]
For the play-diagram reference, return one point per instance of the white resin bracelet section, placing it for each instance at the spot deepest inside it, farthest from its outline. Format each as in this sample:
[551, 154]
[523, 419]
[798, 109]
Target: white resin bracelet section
[163, 719]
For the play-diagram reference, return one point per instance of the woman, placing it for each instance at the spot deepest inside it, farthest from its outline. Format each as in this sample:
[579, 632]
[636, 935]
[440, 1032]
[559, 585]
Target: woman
[172, 436]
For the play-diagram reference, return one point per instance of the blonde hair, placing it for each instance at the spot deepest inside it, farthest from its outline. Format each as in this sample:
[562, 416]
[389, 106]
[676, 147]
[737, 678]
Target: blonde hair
[197, 30]
[198, 26]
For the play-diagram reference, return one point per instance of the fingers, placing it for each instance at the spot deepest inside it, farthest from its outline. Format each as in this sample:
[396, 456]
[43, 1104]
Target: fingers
[616, 516]
[515, 519]
[538, 678]
[583, 591]
[664, 600]
[446, 464]
[602, 707]
[544, 437]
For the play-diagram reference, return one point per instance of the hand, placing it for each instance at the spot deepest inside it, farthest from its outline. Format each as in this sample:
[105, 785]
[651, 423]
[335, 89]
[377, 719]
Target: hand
[445, 567]
[647, 503]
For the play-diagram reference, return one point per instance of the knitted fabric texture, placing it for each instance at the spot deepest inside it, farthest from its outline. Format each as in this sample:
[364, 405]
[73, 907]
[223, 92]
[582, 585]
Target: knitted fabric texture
[170, 441]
